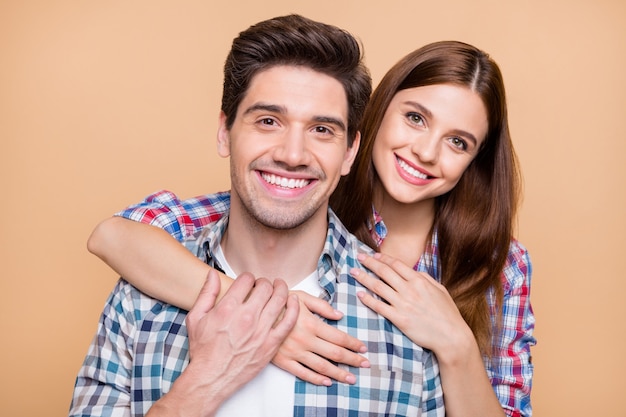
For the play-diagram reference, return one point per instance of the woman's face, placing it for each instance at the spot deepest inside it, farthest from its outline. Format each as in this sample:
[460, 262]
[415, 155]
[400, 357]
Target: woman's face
[427, 139]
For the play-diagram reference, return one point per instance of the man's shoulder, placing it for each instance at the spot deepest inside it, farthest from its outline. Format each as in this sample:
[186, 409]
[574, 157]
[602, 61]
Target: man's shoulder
[206, 207]
[218, 198]
[128, 303]
[343, 237]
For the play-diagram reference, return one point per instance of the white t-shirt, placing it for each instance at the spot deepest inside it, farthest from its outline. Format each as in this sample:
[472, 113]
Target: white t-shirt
[271, 392]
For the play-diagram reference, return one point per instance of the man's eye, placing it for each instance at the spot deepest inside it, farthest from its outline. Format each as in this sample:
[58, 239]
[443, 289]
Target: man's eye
[322, 129]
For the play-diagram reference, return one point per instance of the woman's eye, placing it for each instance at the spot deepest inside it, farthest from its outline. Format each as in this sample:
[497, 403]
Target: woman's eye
[458, 143]
[415, 118]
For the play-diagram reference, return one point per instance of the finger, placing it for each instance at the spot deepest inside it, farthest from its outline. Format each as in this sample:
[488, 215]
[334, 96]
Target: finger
[288, 320]
[383, 271]
[329, 344]
[322, 366]
[241, 288]
[405, 271]
[272, 308]
[343, 341]
[300, 371]
[319, 328]
[208, 294]
[378, 306]
[319, 306]
[267, 298]
[407, 274]
[376, 285]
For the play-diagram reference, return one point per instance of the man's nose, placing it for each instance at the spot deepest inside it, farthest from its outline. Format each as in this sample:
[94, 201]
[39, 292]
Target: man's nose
[293, 148]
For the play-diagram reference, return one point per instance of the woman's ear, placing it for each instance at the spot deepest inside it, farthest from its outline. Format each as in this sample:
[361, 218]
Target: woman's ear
[223, 137]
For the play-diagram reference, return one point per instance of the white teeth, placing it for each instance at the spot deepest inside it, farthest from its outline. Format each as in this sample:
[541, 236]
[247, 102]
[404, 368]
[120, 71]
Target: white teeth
[284, 182]
[410, 170]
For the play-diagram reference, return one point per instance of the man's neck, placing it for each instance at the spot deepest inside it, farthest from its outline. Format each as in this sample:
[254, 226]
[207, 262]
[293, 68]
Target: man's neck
[288, 254]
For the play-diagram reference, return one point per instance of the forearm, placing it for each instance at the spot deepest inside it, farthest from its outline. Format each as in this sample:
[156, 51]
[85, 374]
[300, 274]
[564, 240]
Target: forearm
[151, 260]
[466, 386]
[191, 396]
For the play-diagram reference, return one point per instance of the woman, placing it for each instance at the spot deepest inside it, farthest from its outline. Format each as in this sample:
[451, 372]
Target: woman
[437, 163]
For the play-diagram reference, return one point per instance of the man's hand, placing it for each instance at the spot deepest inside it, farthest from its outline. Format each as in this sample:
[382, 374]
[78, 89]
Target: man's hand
[229, 343]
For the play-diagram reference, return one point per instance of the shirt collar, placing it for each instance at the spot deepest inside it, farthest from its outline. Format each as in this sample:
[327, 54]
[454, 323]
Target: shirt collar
[338, 254]
[205, 243]
[331, 264]
[427, 263]
[377, 227]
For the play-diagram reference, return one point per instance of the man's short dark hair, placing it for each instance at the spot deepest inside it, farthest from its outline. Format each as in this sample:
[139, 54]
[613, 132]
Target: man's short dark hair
[296, 40]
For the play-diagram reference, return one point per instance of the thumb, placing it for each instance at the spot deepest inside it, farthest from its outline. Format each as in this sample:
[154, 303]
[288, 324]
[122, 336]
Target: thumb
[208, 294]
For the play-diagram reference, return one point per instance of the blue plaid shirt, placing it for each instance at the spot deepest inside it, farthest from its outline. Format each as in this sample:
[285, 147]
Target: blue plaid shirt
[141, 346]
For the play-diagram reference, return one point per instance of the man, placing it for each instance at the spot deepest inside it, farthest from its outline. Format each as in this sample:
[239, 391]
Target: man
[294, 93]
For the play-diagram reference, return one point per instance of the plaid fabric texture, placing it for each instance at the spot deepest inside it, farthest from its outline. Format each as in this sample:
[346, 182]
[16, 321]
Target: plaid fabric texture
[141, 345]
[511, 370]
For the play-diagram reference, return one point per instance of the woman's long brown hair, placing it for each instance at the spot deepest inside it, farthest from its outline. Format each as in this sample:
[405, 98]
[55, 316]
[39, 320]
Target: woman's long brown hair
[473, 221]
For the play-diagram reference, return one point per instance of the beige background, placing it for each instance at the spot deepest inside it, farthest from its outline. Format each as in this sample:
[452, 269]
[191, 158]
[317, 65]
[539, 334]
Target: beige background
[103, 102]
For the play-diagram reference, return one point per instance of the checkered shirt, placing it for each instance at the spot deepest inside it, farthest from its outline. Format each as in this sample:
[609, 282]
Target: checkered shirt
[511, 370]
[141, 346]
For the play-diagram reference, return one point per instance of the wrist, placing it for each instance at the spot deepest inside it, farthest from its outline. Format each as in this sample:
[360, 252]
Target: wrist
[458, 348]
[193, 394]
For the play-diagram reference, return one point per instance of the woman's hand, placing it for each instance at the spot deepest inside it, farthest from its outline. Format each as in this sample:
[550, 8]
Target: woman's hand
[425, 312]
[416, 303]
[312, 346]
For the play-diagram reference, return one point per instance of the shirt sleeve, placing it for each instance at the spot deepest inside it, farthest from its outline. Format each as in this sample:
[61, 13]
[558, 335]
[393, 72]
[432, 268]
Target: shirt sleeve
[180, 218]
[432, 391]
[510, 369]
[103, 385]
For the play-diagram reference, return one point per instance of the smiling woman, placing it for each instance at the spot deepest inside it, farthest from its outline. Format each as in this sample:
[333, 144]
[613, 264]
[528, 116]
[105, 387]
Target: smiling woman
[437, 164]
[428, 137]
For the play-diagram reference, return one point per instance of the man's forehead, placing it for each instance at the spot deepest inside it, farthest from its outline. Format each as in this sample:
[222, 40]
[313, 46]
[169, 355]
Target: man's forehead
[285, 88]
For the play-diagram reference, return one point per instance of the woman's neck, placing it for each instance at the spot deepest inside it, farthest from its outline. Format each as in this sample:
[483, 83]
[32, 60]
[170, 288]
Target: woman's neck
[408, 226]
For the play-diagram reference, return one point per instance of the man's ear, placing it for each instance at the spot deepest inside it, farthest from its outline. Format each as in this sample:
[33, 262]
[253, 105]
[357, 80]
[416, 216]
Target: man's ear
[223, 137]
[351, 154]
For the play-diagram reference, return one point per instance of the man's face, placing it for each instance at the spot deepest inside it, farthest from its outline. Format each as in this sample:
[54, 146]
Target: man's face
[288, 146]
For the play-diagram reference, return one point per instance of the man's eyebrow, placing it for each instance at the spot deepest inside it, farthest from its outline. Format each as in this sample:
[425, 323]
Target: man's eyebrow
[274, 108]
[331, 120]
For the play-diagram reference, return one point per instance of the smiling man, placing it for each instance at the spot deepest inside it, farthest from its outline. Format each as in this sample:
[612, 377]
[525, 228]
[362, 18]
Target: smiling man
[294, 93]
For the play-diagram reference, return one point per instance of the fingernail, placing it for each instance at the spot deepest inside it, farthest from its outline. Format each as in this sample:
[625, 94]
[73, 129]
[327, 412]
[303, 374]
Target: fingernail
[360, 256]
[365, 364]
[351, 379]
[363, 349]
[327, 382]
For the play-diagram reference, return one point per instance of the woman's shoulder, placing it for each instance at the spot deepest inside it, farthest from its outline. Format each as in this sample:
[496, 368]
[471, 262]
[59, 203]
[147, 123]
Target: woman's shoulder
[517, 270]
